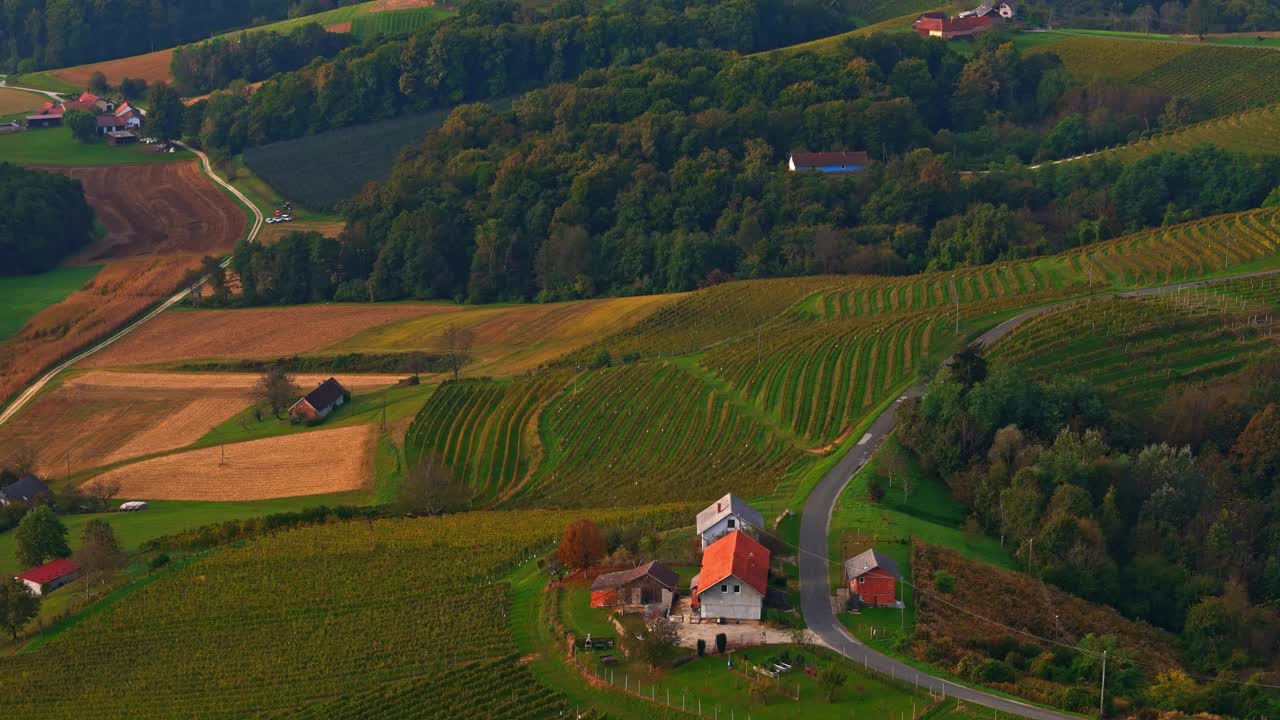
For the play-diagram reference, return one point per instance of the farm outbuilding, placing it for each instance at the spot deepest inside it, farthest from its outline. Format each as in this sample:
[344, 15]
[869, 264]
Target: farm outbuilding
[829, 162]
[725, 515]
[28, 490]
[320, 402]
[734, 579]
[121, 137]
[649, 587]
[109, 123]
[45, 120]
[873, 579]
[50, 576]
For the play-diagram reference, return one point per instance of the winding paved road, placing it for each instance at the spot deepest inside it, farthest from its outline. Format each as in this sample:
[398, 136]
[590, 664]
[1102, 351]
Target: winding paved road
[815, 522]
[25, 397]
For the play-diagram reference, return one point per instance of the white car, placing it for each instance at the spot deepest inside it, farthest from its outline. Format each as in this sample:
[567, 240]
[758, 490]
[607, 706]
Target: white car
[273, 220]
[286, 217]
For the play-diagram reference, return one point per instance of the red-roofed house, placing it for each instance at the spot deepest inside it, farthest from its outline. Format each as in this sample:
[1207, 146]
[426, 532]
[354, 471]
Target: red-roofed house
[948, 28]
[50, 576]
[132, 116]
[109, 123]
[84, 105]
[734, 579]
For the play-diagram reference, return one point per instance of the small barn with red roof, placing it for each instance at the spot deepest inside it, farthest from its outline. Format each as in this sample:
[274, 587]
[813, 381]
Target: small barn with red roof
[873, 578]
[50, 576]
[734, 578]
[651, 586]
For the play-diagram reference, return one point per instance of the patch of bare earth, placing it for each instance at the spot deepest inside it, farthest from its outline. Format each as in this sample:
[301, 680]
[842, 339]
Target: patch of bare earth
[307, 463]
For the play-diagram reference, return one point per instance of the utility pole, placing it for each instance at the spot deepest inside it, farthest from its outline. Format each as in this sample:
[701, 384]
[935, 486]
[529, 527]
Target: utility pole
[1102, 695]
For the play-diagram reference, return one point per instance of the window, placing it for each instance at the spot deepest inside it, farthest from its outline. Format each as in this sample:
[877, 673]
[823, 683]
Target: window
[731, 523]
[862, 579]
[737, 588]
[724, 588]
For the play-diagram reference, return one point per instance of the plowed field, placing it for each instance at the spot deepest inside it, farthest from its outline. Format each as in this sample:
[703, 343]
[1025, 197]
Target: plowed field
[157, 209]
[251, 333]
[309, 463]
[152, 67]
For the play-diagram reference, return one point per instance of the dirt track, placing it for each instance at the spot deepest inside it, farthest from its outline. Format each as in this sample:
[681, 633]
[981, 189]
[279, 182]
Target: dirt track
[157, 209]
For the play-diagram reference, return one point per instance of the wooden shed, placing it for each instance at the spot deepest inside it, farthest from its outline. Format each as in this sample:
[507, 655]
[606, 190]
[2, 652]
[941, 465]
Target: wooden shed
[648, 587]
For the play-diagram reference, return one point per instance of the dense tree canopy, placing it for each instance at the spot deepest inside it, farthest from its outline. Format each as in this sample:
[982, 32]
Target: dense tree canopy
[46, 219]
[214, 64]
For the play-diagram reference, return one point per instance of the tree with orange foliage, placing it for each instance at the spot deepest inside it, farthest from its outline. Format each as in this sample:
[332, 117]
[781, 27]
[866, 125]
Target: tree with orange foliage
[1256, 451]
[582, 545]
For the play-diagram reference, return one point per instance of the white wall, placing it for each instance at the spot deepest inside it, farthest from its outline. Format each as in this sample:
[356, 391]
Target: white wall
[746, 604]
[714, 532]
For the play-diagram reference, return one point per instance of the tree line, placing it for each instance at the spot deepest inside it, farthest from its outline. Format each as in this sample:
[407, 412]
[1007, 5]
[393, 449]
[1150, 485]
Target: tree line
[55, 33]
[1168, 515]
[1191, 17]
[46, 219]
[491, 49]
[214, 64]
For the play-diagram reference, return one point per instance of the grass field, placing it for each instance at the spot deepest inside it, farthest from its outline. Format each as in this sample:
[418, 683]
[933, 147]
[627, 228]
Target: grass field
[55, 146]
[44, 80]
[22, 296]
[206, 639]
[1250, 131]
[19, 102]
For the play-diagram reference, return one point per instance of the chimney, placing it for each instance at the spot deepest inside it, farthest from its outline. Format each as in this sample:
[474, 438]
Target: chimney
[718, 509]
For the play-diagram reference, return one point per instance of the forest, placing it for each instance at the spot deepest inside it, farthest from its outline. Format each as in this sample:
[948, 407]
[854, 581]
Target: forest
[215, 64]
[1167, 515]
[1192, 17]
[46, 218]
[666, 175]
[37, 34]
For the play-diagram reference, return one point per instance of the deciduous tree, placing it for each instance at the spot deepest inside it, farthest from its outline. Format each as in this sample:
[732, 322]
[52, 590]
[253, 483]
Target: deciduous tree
[40, 537]
[99, 555]
[84, 126]
[17, 605]
[430, 488]
[457, 346]
[582, 544]
[276, 389]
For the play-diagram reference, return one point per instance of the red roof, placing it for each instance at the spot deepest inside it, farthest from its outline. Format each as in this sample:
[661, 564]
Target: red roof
[735, 554]
[89, 97]
[951, 25]
[110, 121]
[827, 159]
[50, 571]
[81, 105]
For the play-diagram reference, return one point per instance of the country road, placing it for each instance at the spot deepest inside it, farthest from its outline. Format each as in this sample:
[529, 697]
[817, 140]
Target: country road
[26, 396]
[815, 524]
[50, 94]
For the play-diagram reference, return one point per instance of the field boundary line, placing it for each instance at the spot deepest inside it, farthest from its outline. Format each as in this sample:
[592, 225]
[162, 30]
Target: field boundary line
[34, 388]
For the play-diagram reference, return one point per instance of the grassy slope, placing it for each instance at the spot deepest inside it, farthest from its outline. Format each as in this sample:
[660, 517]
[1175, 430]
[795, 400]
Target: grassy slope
[55, 146]
[43, 80]
[23, 296]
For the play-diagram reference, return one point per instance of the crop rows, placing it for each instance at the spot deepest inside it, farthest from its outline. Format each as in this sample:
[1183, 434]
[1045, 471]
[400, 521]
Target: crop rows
[1227, 78]
[394, 22]
[637, 432]
[478, 428]
[401, 618]
[818, 379]
[1088, 58]
[1252, 131]
[1138, 348]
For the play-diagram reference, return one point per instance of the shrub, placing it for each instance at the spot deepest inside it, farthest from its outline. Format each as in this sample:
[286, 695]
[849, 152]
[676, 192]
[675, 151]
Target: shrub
[875, 489]
[994, 671]
[1076, 699]
[722, 642]
[159, 561]
[944, 581]
[702, 648]
[781, 618]
[602, 360]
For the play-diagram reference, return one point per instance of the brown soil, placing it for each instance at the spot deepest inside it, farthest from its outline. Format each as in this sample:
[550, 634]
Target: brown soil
[273, 232]
[306, 463]
[152, 67]
[342, 27]
[19, 101]
[250, 333]
[157, 209]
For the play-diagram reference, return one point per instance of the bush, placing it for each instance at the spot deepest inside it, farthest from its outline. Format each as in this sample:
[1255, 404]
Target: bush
[159, 561]
[1076, 699]
[781, 618]
[702, 648]
[602, 360]
[875, 489]
[722, 642]
[944, 581]
[994, 671]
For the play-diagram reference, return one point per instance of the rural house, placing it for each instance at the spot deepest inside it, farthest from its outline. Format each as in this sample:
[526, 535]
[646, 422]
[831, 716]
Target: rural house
[131, 116]
[1005, 10]
[734, 579]
[829, 162]
[651, 586]
[109, 123]
[50, 576]
[320, 402]
[28, 490]
[725, 515]
[949, 28]
[873, 579]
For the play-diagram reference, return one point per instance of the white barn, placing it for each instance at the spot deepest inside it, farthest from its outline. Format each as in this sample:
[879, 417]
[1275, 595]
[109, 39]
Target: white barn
[725, 515]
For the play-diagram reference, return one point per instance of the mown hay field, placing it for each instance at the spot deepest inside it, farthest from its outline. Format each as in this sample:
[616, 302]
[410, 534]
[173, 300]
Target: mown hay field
[310, 463]
[13, 102]
[152, 67]
[407, 618]
[266, 333]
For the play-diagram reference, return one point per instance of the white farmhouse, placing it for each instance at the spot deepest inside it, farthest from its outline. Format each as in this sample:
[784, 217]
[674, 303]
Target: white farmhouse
[734, 579]
[725, 515]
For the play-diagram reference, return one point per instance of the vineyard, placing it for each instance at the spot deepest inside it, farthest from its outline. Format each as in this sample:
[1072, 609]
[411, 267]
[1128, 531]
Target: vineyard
[395, 21]
[399, 618]
[1226, 78]
[1251, 131]
[481, 430]
[1138, 348]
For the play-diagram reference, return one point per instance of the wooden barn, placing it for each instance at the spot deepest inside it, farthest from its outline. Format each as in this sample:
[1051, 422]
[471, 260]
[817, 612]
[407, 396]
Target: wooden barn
[651, 586]
[44, 120]
[873, 579]
[50, 576]
[320, 402]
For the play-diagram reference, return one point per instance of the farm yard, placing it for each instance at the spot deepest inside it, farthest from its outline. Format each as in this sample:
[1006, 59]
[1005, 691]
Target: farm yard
[205, 638]
[55, 147]
[311, 463]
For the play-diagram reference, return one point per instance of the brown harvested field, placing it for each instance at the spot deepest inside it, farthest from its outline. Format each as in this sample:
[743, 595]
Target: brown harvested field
[265, 333]
[306, 463]
[342, 27]
[386, 5]
[101, 417]
[17, 101]
[273, 232]
[152, 67]
[157, 209]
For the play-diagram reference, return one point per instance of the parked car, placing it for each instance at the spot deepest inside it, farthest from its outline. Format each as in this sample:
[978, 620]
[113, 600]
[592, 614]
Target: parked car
[286, 217]
[272, 220]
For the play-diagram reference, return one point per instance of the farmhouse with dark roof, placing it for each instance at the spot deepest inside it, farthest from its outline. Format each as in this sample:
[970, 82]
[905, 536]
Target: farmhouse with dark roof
[320, 402]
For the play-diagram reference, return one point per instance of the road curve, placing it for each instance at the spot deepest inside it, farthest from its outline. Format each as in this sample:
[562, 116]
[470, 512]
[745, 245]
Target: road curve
[25, 397]
[815, 524]
[48, 93]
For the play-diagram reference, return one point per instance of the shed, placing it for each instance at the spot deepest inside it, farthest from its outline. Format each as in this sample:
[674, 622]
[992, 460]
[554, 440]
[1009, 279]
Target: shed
[873, 578]
[29, 489]
[318, 403]
[44, 120]
[829, 162]
[725, 515]
[951, 28]
[50, 576]
[121, 137]
[734, 578]
[639, 589]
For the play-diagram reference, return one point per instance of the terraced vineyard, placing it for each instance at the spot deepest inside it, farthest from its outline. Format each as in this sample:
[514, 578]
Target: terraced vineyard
[1088, 58]
[286, 626]
[392, 22]
[1139, 348]
[481, 430]
[1252, 131]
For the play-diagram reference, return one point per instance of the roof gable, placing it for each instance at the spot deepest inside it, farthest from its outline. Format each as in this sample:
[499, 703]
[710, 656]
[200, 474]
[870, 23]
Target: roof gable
[653, 569]
[324, 396]
[737, 555]
[869, 560]
[50, 571]
[730, 504]
[26, 489]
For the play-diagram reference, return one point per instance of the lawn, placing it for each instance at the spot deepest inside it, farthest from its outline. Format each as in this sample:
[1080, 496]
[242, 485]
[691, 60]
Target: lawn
[266, 197]
[579, 617]
[43, 80]
[55, 146]
[22, 296]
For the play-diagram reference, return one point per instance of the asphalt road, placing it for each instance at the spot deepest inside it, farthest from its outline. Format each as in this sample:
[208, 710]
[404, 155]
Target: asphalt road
[815, 523]
[35, 387]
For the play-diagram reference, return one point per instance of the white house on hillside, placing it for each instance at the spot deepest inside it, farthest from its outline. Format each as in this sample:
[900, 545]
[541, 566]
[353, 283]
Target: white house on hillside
[734, 579]
[725, 515]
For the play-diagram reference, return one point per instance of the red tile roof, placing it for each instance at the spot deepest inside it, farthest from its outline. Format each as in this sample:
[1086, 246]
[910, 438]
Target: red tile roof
[735, 554]
[50, 571]
[89, 97]
[110, 121]
[80, 105]
[951, 25]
